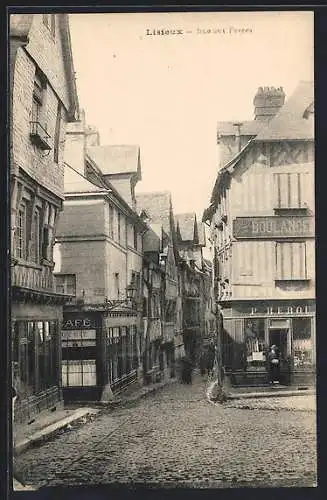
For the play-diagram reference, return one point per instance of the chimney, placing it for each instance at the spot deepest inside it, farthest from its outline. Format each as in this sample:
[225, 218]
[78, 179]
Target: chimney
[237, 127]
[267, 102]
[92, 136]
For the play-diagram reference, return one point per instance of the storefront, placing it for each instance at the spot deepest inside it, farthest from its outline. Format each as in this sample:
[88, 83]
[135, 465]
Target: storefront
[36, 354]
[251, 328]
[99, 350]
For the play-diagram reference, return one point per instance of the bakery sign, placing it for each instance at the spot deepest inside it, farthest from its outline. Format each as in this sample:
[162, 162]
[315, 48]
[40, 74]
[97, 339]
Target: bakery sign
[273, 227]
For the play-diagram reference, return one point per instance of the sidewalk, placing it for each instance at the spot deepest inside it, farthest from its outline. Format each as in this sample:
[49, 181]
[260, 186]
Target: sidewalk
[49, 424]
[271, 391]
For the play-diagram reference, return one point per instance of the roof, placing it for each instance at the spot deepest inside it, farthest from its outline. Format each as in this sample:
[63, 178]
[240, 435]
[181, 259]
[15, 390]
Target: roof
[247, 127]
[114, 160]
[151, 241]
[157, 205]
[75, 183]
[20, 26]
[290, 122]
[186, 226]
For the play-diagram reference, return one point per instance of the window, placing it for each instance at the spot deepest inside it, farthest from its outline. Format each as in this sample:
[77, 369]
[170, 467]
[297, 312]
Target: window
[66, 284]
[135, 237]
[78, 373]
[20, 233]
[36, 354]
[291, 261]
[49, 20]
[302, 343]
[34, 254]
[57, 134]
[291, 190]
[45, 242]
[254, 335]
[38, 97]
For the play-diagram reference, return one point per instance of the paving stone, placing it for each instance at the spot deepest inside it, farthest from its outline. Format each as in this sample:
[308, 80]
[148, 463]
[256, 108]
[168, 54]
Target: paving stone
[177, 439]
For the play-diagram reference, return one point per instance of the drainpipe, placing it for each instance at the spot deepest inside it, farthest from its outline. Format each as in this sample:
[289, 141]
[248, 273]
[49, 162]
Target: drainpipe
[237, 127]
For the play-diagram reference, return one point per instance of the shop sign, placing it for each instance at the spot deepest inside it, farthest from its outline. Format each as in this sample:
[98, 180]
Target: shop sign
[278, 310]
[273, 227]
[72, 324]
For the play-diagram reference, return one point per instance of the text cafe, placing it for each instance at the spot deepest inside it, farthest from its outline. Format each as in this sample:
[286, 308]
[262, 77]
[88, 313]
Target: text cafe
[99, 354]
[289, 325]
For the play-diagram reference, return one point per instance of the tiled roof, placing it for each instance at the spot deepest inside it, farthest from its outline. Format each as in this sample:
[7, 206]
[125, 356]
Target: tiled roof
[247, 128]
[113, 159]
[186, 226]
[158, 207]
[151, 241]
[290, 122]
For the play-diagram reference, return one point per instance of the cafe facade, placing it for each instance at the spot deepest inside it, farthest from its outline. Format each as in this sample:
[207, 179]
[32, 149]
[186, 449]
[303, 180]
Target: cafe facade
[262, 229]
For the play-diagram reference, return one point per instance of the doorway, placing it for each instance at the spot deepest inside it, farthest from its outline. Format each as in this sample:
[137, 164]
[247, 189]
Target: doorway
[279, 337]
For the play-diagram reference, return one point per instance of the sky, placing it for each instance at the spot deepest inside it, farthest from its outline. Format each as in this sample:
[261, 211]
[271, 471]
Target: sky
[166, 93]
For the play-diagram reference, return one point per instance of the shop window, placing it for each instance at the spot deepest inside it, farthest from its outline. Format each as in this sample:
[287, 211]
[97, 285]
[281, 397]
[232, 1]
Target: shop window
[79, 373]
[254, 337]
[302, 343]
[35, 353]
[291, 261]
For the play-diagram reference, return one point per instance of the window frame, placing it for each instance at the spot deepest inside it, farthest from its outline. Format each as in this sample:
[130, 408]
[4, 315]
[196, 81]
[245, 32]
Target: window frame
[280, 273]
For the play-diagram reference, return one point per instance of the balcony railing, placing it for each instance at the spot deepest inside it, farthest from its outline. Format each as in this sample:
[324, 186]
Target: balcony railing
[34, 279]
[39, 136]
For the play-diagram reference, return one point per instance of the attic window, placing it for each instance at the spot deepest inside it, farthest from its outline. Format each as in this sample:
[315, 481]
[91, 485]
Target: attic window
[49, 20]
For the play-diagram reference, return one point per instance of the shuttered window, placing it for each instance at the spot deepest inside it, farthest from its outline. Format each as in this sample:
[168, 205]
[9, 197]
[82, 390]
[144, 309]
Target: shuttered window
[291, 190]
[291, 261]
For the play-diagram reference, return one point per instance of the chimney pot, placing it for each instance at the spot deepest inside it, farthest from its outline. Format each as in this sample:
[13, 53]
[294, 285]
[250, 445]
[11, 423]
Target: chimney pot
[267, 102]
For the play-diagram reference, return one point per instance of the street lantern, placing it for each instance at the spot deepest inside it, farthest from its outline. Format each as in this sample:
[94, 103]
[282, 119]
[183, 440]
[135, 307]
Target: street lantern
[131, 291]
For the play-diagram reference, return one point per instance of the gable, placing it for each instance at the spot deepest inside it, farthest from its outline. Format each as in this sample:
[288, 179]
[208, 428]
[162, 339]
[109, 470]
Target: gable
[53, 55]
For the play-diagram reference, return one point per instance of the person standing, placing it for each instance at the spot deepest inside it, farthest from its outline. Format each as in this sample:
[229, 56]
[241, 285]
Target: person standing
[211, 357]
[274, 364]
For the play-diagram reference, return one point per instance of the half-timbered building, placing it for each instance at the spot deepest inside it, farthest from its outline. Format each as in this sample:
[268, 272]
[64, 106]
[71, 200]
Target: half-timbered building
[262, 229]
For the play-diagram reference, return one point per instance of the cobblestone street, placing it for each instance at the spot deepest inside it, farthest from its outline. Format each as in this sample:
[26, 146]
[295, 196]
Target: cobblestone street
[175, 438]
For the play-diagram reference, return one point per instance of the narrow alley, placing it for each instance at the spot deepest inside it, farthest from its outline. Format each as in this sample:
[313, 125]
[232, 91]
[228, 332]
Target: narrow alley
[176, 438]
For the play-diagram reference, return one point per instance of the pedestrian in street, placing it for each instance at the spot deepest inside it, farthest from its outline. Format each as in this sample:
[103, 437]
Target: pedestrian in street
[202, 363]
[211, 358]
[274, 364]
[186, 370]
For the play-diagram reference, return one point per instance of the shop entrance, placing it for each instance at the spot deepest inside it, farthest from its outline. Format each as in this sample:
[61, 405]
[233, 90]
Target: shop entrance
[279, 337]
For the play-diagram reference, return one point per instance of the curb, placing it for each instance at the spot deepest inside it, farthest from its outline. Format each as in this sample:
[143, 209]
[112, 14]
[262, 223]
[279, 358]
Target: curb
[257, 395]
[52, 430]
[146, 392]
[277, 394]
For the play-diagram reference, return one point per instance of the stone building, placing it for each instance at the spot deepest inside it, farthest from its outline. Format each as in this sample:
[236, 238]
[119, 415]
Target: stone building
[262, 227]
[99, 258]
[43, 99]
